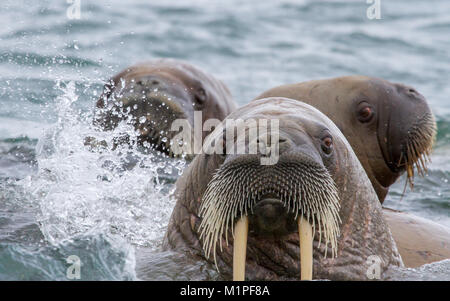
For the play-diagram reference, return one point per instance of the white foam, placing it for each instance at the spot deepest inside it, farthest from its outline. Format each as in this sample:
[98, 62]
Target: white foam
[113, 191]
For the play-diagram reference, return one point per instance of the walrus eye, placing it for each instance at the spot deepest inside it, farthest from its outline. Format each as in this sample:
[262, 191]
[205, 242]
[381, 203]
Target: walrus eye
[327, 145]
[200, 96]
[365, 112]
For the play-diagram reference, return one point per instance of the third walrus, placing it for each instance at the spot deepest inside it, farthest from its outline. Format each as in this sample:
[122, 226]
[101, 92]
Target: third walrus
[389, 126]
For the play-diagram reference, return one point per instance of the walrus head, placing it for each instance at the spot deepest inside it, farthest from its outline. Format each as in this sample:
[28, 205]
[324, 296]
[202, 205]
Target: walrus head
[389, 125]
[313, 210]
[154, 94]
[406, 127]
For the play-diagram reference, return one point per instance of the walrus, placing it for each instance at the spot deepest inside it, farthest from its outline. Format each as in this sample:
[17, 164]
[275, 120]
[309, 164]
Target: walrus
[389, 126]
[311, 212]
[154, 94]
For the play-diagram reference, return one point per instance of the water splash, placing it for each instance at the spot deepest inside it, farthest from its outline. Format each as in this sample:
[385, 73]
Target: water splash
[114, 191]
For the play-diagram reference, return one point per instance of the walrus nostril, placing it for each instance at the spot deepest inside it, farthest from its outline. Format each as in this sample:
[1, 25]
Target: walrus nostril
[148, 82]
[270, 217]
[269, 210]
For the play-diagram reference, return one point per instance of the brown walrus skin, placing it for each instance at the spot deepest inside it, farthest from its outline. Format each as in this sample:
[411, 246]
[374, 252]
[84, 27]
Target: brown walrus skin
[156, 93]
[389, 126]
[304, 146]
[419, 241]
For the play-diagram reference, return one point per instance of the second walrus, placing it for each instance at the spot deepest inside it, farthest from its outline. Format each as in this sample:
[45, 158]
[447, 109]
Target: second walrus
[154, 94]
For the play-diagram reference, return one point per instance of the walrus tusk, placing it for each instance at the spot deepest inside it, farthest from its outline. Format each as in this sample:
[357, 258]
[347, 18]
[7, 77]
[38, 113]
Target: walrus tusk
[240, 248]
[306, 248]
[410, 172]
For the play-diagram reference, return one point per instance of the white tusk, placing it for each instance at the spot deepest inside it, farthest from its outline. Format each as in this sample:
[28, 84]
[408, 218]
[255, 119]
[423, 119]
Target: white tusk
[240, 248]
[306, 249]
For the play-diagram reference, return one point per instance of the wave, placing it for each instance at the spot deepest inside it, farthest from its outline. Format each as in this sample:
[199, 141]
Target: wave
[101, 258]
[35, 59]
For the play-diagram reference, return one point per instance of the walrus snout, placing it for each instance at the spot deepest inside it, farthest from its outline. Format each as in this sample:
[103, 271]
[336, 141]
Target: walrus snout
[270, 218]
[149, 82]
[151, 103]
[297, 192]
[412, 131]
[150, 111]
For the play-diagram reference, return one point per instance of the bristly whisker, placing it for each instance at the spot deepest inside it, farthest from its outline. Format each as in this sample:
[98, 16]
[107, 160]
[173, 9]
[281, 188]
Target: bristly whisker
[235, 189]
[418, 148]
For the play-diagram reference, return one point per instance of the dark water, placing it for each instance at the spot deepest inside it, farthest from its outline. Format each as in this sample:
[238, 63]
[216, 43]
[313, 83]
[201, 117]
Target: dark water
[57, 199]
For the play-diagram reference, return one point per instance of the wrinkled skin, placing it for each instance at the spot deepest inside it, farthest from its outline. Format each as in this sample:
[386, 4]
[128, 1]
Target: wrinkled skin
[363, 231]
[158, 92]
[378, 118]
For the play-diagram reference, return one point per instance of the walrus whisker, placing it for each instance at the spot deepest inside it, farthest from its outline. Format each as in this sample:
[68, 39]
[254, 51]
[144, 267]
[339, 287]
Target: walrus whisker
[404, 188]
[418, 148]
[221, 206]
[400, 161]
